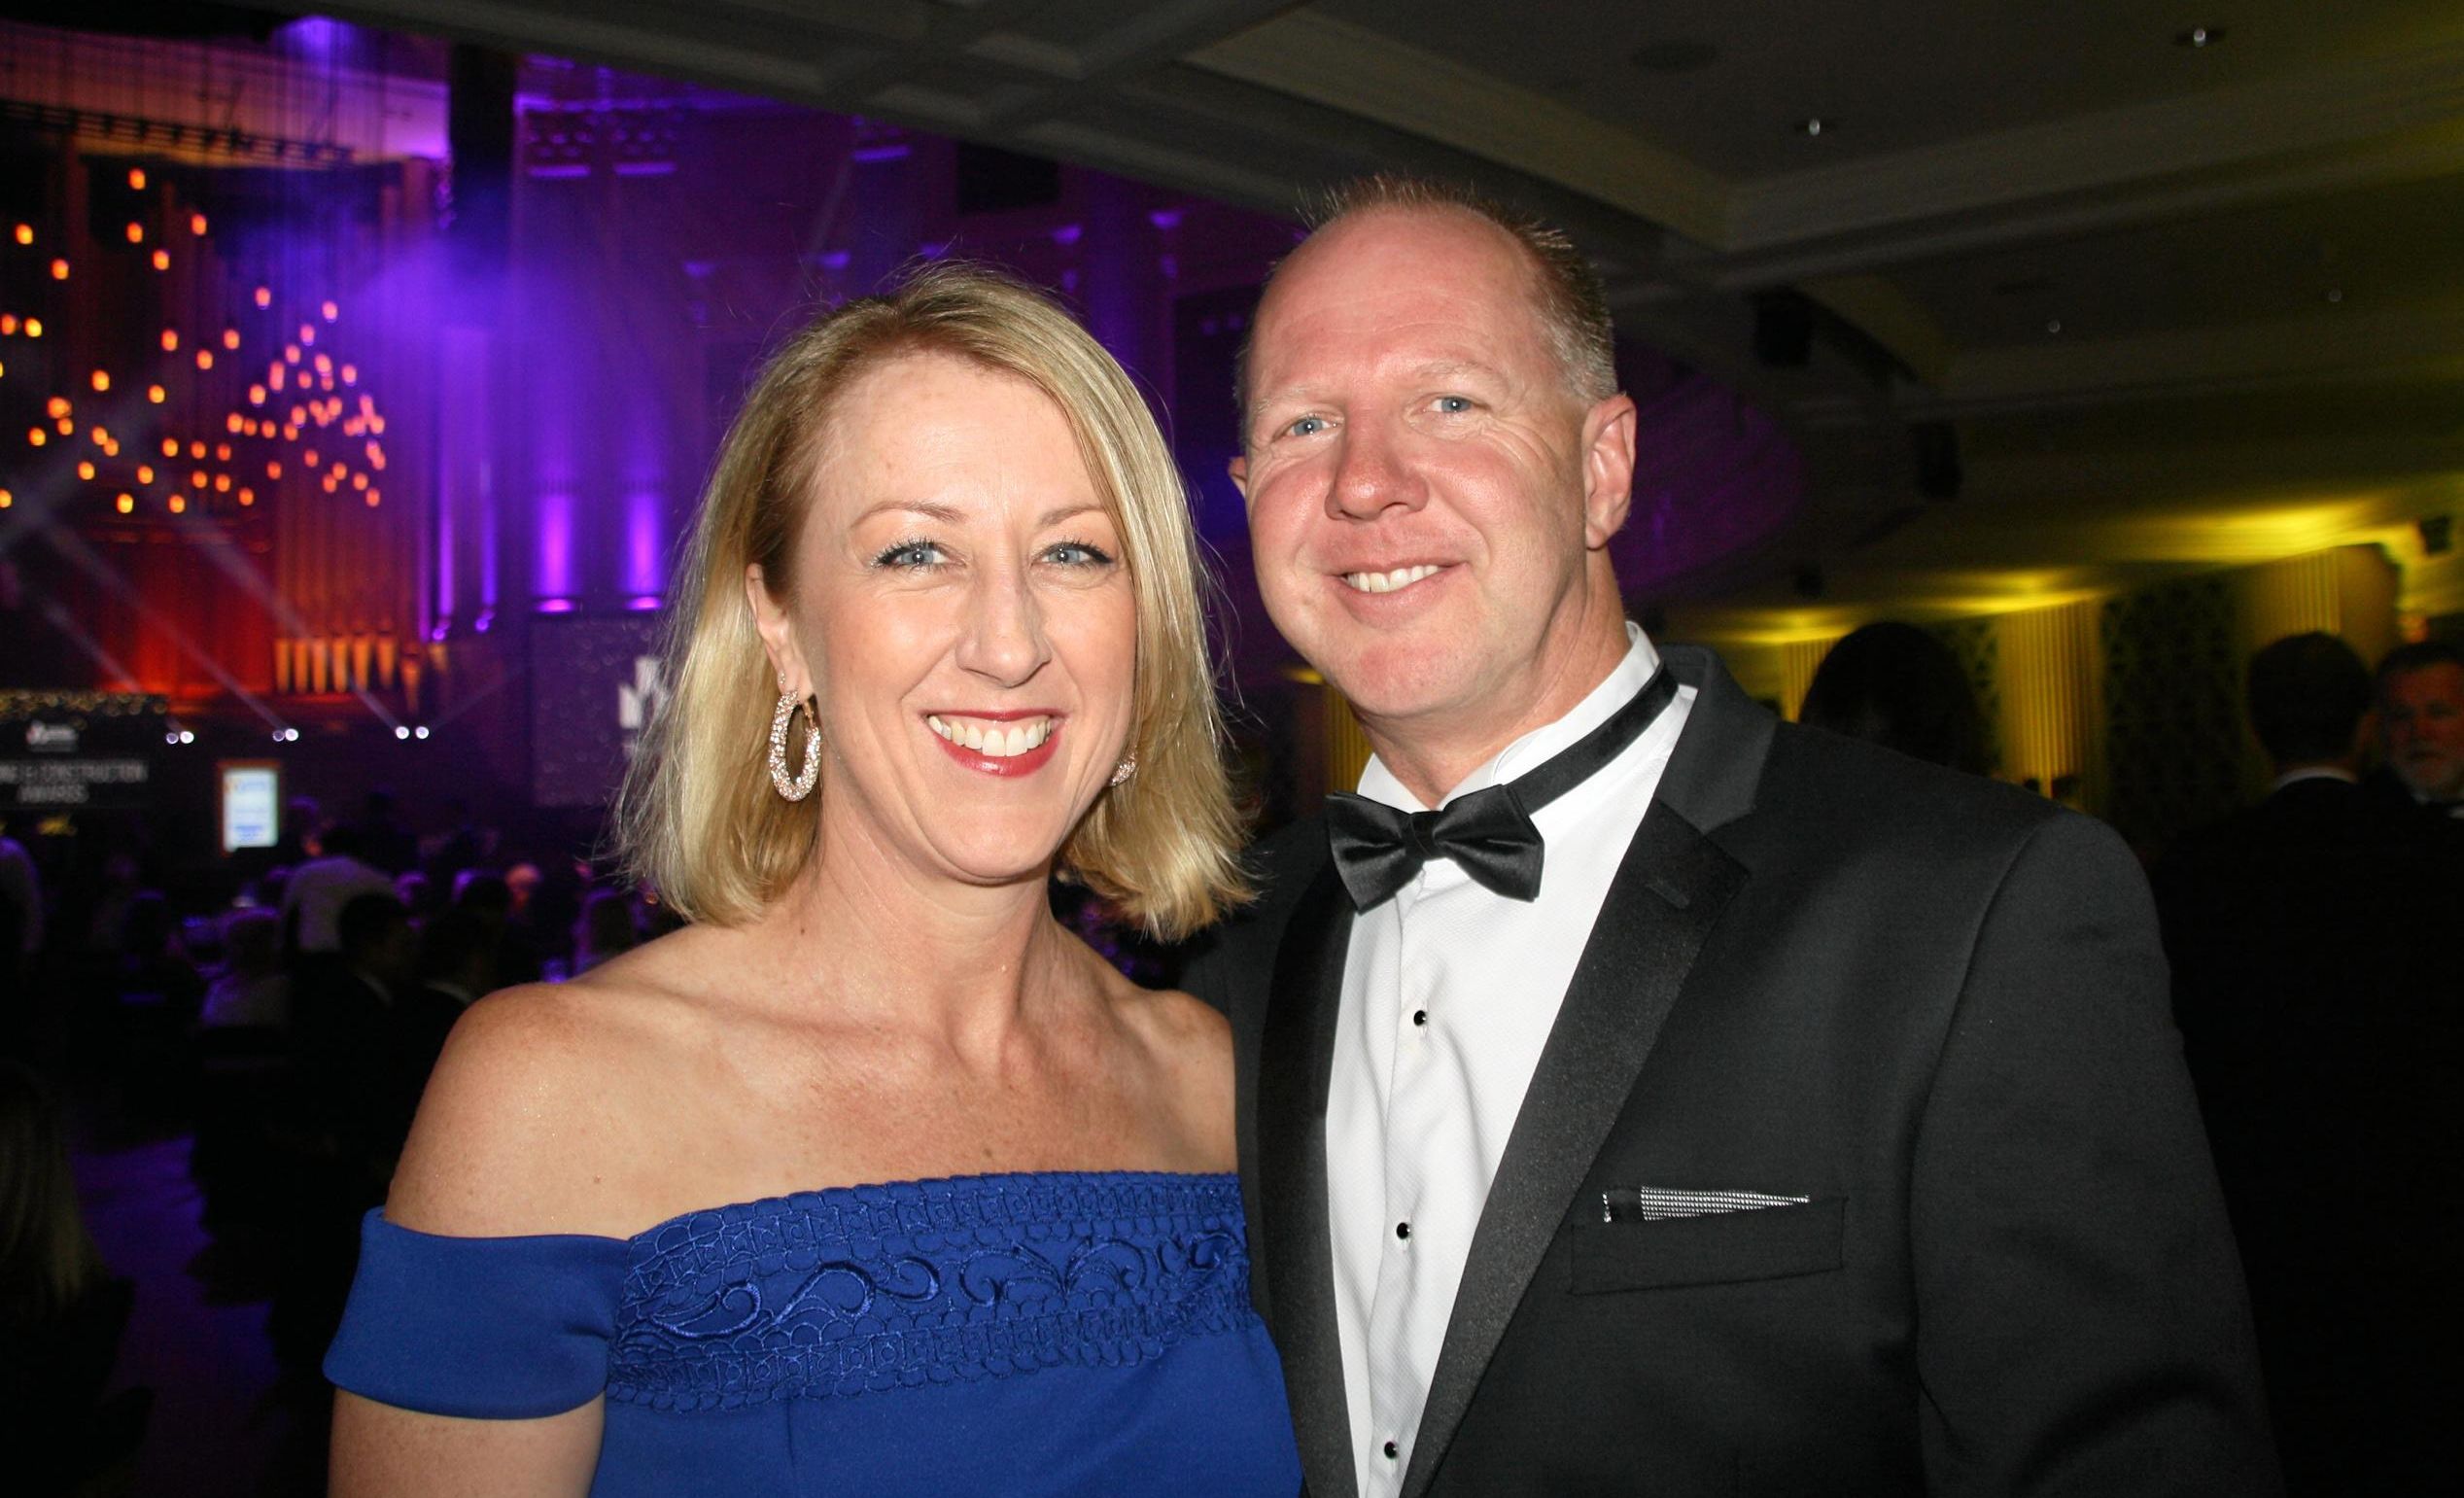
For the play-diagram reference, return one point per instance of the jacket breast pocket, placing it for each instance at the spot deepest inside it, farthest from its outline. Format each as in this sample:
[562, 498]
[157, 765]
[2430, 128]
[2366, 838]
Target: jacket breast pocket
[1769, 1242]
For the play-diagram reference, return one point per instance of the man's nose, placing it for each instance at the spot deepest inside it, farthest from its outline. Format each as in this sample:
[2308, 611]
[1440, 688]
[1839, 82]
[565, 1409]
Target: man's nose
[1372, 474]
[1003, 642]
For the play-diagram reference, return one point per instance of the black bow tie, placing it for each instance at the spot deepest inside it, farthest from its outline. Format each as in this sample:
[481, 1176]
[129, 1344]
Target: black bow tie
[1488, 833]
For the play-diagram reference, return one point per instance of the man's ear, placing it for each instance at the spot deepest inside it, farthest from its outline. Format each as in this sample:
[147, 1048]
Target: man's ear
[777, 635]
[1608, 469]
[1239, 468]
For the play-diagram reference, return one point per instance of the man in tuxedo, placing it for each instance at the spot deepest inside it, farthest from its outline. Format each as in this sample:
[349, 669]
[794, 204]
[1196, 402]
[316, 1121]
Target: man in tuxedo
[2316, 979]
[1695, 1103]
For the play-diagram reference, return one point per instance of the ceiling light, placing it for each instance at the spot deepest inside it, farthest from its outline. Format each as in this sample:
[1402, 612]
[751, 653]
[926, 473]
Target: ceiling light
[2053, 325]
[1811, 124]
[2199, 36]
[2335, 294]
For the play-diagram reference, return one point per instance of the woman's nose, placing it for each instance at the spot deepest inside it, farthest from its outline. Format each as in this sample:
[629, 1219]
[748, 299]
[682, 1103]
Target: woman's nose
[1004, 639]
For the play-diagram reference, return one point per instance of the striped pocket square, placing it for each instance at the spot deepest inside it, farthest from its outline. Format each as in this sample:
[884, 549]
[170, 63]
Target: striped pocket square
[1657, 1203]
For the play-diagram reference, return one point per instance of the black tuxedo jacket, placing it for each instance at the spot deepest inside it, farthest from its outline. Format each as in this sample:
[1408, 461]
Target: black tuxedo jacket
[1933, 1005]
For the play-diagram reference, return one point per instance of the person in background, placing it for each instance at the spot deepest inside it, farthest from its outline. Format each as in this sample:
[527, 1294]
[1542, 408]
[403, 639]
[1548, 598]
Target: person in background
[604, 930]
[2315, 978]
[252, 993]
[61, 1312]
[382, 841]
[313, 897]
[2421, 714]
[1895, 685]
[20, 945]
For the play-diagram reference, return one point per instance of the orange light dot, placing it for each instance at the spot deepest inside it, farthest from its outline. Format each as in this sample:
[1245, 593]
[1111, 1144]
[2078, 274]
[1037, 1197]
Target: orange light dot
[340, 469]
[6, 499]
[170, 340]
[309, 458]
[299, 416]
[56, 407]
[222, 483]
[136, 233]
[59, 271]
[325, 364]
[377, 457]
[25, 233]
[331, 311]
[230, 337]
[273, 470]
[330, 484]
[163, 259]
[37, 435]
[247, 496]
[372, 497]
[257, 395]
[350, 374]
[170, 447]
[137, 178]
[230, 423]
[7, 322]
[291, 353]
[101, 380]
[205, 358]
[34, 328]
[196, 223]
[156, 393]
[278, 377]
[265, 296]
[197, 480]
[124, 504]
[221, 452]
[99, 435]
[179, 503]
[145, 473]
[290, 433]
[111, 449]
[197, 449]
[86, 470]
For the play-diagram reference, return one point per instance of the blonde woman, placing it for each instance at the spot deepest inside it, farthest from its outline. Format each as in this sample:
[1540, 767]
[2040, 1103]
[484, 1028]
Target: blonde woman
[872, 1180]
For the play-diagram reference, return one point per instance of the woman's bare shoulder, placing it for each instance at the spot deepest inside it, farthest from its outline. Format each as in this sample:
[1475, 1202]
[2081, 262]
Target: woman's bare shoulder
[532, 1122]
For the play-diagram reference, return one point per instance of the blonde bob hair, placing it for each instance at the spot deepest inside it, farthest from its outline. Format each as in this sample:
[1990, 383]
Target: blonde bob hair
[696, 818]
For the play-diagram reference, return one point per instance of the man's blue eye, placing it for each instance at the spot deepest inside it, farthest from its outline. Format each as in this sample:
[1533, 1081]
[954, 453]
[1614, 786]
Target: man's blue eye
[1453, 405]
[1307, 426]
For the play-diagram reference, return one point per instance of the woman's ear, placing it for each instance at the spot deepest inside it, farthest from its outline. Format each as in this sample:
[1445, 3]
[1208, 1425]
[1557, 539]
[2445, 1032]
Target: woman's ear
[777, 635]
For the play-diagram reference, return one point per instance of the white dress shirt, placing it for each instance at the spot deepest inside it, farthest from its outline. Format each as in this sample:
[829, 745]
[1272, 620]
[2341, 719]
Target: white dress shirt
[1449, 993]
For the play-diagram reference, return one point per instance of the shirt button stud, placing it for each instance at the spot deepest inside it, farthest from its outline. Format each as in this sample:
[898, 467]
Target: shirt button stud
[1420, 1017]
[1393, 1451]
[1402, 1229]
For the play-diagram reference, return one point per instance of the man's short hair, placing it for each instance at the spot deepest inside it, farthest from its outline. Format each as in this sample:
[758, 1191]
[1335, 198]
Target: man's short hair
[1567, 291]
[2420, 655]
[2307, 696]
[368, 920]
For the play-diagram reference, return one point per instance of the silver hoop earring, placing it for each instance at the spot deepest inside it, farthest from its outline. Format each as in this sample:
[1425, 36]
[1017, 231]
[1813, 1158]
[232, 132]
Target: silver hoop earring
[799, 787]
[1125, 769]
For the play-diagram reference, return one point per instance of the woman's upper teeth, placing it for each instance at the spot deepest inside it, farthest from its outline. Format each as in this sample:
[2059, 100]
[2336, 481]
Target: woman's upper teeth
[993, 740]
[1387, 583]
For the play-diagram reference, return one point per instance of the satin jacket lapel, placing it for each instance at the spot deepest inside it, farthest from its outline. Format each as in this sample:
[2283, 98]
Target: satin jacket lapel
[1295, 1056]
[1668, 894]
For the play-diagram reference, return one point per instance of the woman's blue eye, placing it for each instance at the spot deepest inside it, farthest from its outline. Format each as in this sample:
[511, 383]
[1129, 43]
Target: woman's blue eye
[1079, 553]
[910, 554]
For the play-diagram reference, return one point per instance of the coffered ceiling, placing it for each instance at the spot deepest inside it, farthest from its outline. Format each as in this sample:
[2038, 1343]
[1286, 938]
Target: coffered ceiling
[2187, 282]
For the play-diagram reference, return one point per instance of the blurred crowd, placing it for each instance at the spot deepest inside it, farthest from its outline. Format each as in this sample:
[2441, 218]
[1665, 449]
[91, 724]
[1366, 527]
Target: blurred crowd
[288, 1026]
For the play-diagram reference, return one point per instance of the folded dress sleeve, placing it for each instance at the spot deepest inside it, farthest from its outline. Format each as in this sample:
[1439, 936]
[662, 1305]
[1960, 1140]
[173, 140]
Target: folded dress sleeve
[486, 1328]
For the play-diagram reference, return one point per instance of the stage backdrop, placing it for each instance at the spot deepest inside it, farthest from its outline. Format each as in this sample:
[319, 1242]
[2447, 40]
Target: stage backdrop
[594, 682]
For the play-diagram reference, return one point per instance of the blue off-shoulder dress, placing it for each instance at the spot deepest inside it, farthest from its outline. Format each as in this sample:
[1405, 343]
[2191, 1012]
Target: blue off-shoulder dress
[1054, 1333]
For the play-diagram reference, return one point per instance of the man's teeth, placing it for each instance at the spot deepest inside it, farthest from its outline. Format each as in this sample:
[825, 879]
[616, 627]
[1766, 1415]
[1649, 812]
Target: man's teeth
[1387, 583]
[994, 741]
